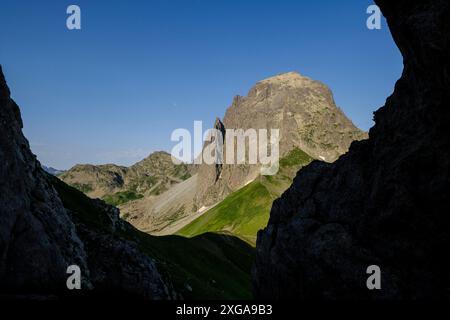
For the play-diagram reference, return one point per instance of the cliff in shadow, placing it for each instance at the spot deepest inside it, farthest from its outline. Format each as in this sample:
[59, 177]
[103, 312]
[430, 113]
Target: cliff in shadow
[385, 202]
[40, 238]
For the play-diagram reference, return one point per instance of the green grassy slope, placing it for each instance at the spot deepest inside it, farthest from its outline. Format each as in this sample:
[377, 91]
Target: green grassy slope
[246, 211]
[210, 266]
[121, 197]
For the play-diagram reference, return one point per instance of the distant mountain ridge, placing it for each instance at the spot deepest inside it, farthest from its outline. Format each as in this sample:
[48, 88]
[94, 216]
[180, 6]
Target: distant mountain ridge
[118, 184]
[52, 170]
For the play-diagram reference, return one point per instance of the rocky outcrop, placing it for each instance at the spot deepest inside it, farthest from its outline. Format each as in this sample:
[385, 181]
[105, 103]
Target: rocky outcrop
[385, 202]
[40, 238]
[218, 125]
[306, 115]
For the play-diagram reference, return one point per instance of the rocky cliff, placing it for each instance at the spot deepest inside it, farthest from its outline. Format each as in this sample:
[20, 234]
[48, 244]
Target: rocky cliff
[306, 115]
[385, 202]
[40, 238]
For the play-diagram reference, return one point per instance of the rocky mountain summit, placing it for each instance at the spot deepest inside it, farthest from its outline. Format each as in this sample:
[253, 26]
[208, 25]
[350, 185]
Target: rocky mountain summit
[308, 119]
[385, 202]
[40, 237]
[301, 108]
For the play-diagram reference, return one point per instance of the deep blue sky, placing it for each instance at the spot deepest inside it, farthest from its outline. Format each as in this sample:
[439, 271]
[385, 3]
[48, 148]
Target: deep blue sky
[115, 90]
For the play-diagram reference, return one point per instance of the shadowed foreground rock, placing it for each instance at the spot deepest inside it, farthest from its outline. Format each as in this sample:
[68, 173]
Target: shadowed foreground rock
[387, 201]
[39, 238]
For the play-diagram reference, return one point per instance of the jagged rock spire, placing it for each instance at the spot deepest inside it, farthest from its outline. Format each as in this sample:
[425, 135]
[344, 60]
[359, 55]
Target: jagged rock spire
[4, 90]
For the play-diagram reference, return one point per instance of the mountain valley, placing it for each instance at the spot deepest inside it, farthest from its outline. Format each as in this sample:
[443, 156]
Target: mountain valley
[161, 198]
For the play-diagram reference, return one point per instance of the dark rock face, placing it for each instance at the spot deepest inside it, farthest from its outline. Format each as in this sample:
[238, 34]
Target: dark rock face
[387, 201]
[39, 238]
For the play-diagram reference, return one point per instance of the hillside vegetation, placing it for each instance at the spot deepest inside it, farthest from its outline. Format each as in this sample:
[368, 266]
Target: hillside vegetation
[246, 210]
[210, 266]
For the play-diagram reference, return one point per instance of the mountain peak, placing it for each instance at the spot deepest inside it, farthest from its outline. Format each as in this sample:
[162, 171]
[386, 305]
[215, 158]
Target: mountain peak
[292, 79]
[218, 124]
[157, 154]
[304, 112]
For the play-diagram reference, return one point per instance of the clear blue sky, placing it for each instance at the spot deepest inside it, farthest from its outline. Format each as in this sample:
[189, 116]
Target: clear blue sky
[114, 91]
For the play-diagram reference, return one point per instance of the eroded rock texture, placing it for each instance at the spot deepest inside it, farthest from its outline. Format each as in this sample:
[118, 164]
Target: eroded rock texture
[385, 202]
[40, 238]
